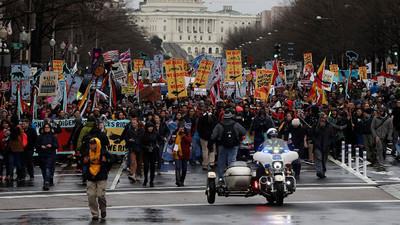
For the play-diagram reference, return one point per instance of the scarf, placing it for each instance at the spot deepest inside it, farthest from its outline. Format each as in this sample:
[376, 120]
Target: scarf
[94, 166]
[178, 140]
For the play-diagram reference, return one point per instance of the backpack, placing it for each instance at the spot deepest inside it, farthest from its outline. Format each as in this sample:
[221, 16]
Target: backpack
[24, 139]
[229, 137]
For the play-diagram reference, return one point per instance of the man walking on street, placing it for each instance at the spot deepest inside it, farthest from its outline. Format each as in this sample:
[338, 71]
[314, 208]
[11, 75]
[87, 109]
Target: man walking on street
[98, 162]
[382, 131]
[227, 134]
[322, 137]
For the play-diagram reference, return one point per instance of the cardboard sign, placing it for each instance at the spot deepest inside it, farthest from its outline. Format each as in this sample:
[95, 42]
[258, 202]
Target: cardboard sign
[48, 83]
[58, 67]
[150, 93]
[5, 86]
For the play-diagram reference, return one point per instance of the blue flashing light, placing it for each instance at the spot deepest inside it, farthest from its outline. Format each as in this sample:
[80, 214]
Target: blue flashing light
[267, 165]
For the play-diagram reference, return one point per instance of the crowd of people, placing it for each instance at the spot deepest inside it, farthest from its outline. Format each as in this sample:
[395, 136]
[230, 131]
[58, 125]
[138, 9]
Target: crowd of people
[367, 118]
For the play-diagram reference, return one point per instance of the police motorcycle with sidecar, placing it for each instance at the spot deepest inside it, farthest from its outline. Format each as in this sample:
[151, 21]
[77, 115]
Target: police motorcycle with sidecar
[274, 178]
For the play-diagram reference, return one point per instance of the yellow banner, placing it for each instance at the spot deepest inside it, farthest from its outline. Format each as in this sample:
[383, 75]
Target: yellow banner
[58, 66]
[175, 71]
[138, 64]
[389, 68]
[362, 72]
[263, 83]
[308, 66]
[202, 74]
[234, 65]
[128, 90]
[334, 68]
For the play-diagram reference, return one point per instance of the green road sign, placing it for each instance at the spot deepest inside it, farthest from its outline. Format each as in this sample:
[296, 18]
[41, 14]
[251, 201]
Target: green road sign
[16, 45]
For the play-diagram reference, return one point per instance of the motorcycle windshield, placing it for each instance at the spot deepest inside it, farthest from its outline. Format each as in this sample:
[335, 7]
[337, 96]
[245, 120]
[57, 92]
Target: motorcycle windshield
[274, 146]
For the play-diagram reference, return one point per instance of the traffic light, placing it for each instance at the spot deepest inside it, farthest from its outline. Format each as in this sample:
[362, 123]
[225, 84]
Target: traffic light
[277, 51]
[96, 53]
[395, 50]
[290, 50]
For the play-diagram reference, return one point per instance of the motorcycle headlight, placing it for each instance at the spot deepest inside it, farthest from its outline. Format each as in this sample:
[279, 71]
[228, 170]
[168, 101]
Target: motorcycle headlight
[277, 165]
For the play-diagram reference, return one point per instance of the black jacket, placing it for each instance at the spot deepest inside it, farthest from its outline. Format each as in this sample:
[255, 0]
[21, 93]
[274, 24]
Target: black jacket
[73, 139]
[134, 146]
[47, 156]
[31, 135]
[322, 139]
[205, 126]
[150, 140]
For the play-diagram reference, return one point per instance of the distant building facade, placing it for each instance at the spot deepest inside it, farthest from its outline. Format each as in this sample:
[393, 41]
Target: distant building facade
[188, 24]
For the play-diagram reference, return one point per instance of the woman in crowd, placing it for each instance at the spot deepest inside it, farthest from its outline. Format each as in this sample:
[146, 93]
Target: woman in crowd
[181, 139]
[150, 143]
[162, 128]
[132, 139]
[46, 145]
[15, 148]
[4, 135]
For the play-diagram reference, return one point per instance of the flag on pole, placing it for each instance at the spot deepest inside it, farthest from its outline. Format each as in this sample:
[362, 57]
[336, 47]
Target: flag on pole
[110, 56]
[85, 95]
[21, 106]
[65, 97]
[215, 92]
[9, 28]
[75, 68]
[125, 57]
[317, 94]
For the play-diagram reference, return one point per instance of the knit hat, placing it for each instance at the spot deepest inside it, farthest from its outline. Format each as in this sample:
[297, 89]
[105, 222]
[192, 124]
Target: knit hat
[227, 115]
[368, 111]
[296, 122]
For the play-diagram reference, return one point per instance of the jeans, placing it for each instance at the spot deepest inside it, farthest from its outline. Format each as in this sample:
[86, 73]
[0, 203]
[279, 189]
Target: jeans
[180, 170]
[46, 173]
[196, 149]
[14, 159]
[3, 161]
[149, 161]
[226, 156]
[321, 157]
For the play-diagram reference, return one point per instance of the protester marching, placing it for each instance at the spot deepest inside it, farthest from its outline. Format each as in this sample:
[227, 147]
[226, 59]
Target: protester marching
[207, 111]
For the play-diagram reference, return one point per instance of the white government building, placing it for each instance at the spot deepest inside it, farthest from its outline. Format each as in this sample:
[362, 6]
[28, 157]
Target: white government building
[187, 28]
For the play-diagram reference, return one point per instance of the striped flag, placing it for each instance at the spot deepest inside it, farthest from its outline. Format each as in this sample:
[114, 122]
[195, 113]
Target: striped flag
[110, 56]
[65, 97]
[83, 100]
[125, 57]
[21, 105]
[215, 92]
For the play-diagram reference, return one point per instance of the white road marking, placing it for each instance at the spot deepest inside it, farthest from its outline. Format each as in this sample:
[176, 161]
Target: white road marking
[359, 175]
[167, 192]
[116, 179]
[200, 204]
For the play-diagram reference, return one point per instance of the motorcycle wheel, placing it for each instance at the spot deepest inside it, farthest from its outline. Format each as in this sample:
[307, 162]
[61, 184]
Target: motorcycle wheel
[270, 200]
[211, 191]
[279, 193]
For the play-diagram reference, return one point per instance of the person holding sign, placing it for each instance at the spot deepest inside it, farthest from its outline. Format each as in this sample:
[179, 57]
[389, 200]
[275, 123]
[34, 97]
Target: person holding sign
[181, 139]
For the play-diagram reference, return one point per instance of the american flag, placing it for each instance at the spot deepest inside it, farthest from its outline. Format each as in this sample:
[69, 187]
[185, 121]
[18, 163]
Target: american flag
[110, 56]
[125, 56]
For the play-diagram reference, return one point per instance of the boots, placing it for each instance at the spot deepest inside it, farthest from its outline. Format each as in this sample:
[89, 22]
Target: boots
[178, 178]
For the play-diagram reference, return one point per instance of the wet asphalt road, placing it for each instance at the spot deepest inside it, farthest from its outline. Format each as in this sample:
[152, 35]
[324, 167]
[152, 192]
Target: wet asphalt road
[342, 198]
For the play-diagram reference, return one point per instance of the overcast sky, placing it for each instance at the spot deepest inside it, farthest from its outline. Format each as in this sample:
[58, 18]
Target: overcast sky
[243, 6]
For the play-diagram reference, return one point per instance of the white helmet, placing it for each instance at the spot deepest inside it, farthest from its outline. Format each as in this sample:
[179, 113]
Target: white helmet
[272, 132]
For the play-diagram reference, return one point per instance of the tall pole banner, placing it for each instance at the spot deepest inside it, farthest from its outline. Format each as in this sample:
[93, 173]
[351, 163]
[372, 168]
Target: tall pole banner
[203, 72]
[234, 65]
[175, 78]
[308, 66]
[263, 83]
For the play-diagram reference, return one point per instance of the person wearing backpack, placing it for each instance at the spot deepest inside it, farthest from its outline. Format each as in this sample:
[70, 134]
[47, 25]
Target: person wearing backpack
[227, 135]
[84, 131]
[15, 148]
[382, 131]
